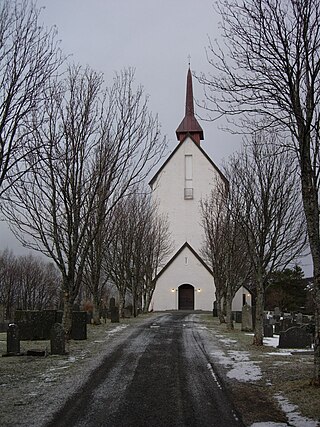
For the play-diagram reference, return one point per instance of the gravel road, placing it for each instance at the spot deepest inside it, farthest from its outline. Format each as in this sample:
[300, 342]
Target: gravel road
[159, 375]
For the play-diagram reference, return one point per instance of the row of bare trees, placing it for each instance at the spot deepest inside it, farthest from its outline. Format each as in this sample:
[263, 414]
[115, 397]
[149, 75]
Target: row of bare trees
[141, 242]
[266, 74]
[255, 227]
[71, 149]
[27, 283]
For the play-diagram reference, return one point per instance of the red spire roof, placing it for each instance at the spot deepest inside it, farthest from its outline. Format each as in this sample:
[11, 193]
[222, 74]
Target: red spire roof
[189, 124]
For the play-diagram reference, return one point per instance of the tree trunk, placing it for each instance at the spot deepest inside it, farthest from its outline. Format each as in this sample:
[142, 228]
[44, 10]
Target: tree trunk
[219, 308]
[316, 375]
[228, 307]
[67, 315]
[258, 327]
[146, 301]
[96, 311]
[122, 301]
[311, 209]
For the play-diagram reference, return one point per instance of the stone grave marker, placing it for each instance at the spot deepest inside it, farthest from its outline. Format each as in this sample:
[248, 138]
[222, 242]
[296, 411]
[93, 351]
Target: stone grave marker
[79, 325]
[13, 340]
[268, 330]
[114, 311]
[295, 337]
[246, 318]
[57, 339]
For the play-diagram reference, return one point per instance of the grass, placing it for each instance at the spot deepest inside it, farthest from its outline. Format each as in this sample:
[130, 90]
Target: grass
[28, 384]
[289, 375]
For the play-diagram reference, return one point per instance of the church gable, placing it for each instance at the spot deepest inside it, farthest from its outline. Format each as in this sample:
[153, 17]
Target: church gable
[186, 249]
[187, 146]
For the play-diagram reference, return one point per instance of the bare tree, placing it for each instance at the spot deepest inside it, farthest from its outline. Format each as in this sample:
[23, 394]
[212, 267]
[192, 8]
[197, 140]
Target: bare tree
[213, 211]
[93, 145]
[8, 283]
[27, 283]
[269, 211]
[270, 66]
[139, 245]
[225, 247]
[29, 57]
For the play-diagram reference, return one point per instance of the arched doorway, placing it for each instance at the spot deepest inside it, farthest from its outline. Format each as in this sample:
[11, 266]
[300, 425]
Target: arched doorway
[186, 297]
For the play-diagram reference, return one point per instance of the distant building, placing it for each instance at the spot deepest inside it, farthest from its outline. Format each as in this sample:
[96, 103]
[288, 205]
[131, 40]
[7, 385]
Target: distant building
[186, 282]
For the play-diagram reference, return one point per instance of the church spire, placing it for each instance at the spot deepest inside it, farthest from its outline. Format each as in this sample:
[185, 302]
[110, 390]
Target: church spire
[189, 124]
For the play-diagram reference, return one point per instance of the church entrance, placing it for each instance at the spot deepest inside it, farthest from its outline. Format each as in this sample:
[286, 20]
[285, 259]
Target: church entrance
[186, 297]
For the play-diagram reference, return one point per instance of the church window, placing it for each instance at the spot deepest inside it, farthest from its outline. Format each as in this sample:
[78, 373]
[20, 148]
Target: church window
[188, 174]
[186, 260]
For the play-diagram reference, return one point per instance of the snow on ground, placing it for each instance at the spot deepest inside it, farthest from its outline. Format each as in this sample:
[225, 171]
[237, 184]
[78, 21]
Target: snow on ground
[269, 424]
[243, 369]
[294, 417]
[240, 365]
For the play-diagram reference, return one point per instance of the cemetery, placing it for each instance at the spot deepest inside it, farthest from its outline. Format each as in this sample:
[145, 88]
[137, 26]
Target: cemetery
[27, 378]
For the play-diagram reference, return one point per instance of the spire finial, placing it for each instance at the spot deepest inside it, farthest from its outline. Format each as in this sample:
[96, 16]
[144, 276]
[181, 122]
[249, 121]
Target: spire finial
[189, 59]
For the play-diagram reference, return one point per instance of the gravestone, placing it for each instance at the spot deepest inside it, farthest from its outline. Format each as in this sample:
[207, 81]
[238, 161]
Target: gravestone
[114, 311]
[238, 316]
[268, 330]
[13, 340]
[295, 337]
[57, 339]
[79, 325]
[215, 310]
[246, 318]
[277, 328]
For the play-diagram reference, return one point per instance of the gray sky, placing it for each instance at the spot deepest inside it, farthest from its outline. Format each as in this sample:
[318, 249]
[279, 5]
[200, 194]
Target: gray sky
[156, 38]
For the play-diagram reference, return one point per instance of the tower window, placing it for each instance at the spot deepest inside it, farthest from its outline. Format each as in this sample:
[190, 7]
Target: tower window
[188, 177]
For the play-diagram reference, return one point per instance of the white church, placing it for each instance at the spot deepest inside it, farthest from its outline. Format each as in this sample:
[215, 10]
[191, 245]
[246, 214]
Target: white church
[188, 175]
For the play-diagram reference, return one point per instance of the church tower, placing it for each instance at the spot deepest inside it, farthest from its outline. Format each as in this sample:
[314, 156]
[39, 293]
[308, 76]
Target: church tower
[185, 281]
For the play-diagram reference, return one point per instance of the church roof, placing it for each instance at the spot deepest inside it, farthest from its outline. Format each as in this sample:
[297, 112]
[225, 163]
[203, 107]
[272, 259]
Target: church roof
[185, 245]
[189, 123]
[153, 179]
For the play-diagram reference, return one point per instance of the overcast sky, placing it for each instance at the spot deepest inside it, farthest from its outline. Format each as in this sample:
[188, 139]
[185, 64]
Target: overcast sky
[156, 38]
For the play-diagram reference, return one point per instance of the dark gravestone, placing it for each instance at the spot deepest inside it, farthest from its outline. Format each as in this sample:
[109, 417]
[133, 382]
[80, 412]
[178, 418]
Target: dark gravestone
[35, 325]
[268, 330]
[238, 316]
[215, 309]
[13, 339]
[57, 339]
[79, 325]
[277, 328]
[114, 311]
[295, 337]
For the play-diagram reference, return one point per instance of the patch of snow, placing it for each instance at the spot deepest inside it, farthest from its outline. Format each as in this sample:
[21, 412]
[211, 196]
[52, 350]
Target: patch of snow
[116, 329]
[245, 371]
[227, 341]
[279, 353]
[223, 359]
[242, 368]
[269, 424]
[294, 417]
[271, 342]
